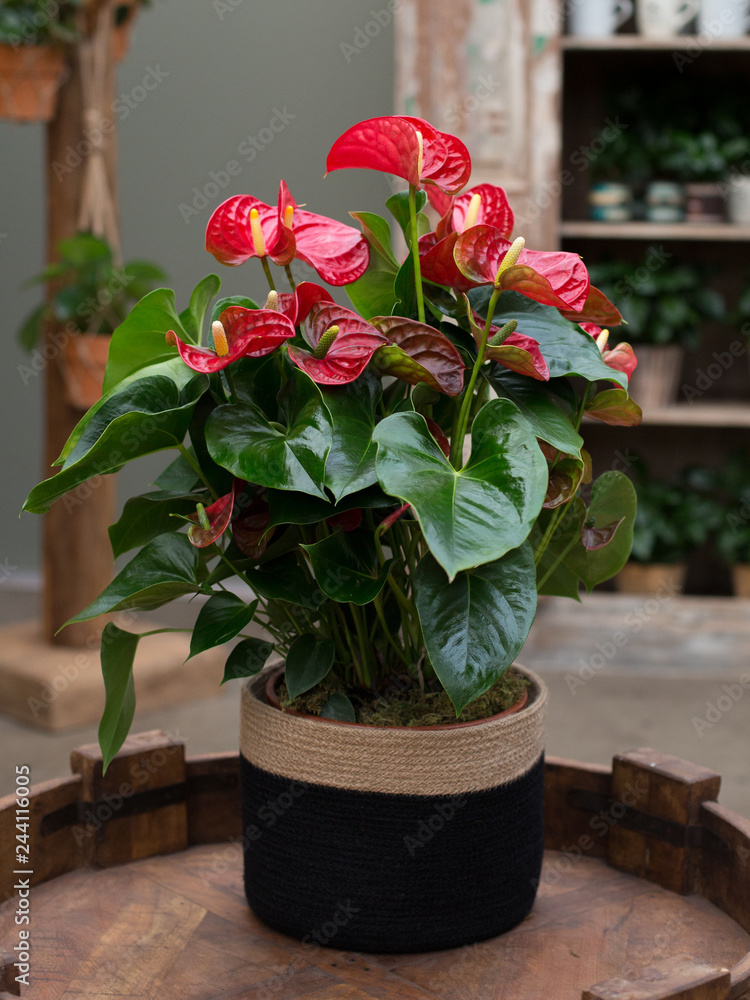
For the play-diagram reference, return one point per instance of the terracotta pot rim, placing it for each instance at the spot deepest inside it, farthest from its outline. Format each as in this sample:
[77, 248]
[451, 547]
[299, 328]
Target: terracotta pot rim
[276, 674]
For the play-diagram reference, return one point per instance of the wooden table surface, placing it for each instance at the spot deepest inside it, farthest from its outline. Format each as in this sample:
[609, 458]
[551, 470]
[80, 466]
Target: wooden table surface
[177, 927]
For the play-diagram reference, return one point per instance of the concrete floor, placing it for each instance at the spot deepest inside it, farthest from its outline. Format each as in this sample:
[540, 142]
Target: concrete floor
[674, 683]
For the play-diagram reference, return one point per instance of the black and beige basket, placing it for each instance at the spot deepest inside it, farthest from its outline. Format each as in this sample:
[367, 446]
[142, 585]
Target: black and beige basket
[391, 840]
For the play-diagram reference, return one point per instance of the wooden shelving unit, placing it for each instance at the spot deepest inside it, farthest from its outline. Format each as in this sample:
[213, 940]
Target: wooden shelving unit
[705, 232]
[639, 43]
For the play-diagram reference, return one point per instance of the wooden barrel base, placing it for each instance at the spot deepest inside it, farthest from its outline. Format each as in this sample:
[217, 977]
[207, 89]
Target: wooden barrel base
[137, 892]
[177, 927]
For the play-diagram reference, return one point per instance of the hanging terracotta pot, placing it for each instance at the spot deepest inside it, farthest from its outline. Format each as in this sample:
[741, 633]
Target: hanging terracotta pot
[125, 15]
[30, 77]
[84, 361]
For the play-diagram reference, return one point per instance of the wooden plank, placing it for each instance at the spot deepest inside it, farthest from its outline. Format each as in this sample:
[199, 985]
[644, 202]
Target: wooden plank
[725, 861]
[672, 979]
[139, 807]
[666, 795]
[213, 798]
[8, 973]
[53, 847]
[720, 232]
[572, 808]
[643, 43]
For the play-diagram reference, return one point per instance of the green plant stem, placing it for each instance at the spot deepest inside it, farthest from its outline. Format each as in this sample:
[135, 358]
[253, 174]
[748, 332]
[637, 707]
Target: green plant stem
[269, 276]
[290, 276]
[415, 251]
[456, 453]
[364, 661]
[197, 469]
[230, 385]
[378, 605]
[551, 529]
[556, 563]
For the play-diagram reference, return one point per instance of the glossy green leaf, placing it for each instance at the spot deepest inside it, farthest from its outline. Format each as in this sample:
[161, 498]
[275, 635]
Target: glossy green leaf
[257, 381]
[612, 498]
[222, 617]
[476, 514]
[148, 415]
[546, 410]
[398, 206]
[192, 318]
[282, 579]
[307, 663]
[475, 625]
[346, 567]
[301, 508]
[232, 300]
[406, 290]
[241, 439]
[338, 707]
[564, 346]
[151, 514]
[140, 340]
[118, 652]
[350, 465]
[553, 575]
[31, 329]
[179, 476]
[373, 294]
[166, 568]
[377, 233]
[247, 659]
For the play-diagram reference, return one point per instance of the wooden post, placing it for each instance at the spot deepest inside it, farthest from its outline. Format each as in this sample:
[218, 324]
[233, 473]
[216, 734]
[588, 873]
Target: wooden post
[77, 554]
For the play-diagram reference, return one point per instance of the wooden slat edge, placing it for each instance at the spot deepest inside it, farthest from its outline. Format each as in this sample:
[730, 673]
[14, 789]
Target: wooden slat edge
[50, 855]
[740, 989]
[575, 795]
[667, 979]
[213, 798]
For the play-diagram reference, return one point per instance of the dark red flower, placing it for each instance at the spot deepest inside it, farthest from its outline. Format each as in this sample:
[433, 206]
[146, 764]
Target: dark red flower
[244, 227]
[407, 147]
[556, 278]
[483, 205]
[238, 333]
[621, 357]
[416, 353]
[213, 521]
[341, 344]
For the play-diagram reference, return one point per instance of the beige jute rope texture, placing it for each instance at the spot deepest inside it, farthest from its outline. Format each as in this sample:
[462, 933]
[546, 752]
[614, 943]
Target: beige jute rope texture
[397, 761]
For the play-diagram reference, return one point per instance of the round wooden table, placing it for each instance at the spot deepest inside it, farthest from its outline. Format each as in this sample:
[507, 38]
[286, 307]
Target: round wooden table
[116, 916]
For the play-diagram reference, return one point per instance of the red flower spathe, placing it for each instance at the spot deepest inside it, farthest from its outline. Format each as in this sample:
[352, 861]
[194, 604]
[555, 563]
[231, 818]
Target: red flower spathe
[339, 253]
[407, 147]
[250, 333]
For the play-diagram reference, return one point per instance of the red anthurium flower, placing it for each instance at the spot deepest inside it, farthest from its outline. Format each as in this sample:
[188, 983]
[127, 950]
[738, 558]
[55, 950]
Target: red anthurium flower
[341, 344]
[296, 305]
[244, 227]
[483, 205]
[484, 256]
[517, 352]
[407, 147]
[238, 333]
[438, 265]
[596, 309]
[213, 521]
[347, 520]
[250, 526]
[416, 352]
[622, 357]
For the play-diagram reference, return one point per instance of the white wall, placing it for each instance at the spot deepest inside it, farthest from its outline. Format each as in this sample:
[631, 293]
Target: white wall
[227, 68]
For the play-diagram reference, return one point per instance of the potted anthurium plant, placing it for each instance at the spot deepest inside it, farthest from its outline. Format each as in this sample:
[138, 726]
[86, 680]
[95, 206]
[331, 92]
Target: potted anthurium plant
[393, 484]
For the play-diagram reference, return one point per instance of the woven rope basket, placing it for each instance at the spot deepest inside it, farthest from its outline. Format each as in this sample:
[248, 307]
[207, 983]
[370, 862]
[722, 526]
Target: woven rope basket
[391, 840]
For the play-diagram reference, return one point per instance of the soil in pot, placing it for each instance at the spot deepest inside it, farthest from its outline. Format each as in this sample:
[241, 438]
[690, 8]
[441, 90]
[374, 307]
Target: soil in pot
[404, 703]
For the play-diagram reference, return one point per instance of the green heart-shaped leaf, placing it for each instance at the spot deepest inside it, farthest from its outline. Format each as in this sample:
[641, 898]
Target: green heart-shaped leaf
[350, 465]
[613, 499]
[377, 233]
[346, 567]
[547, 410]
[166, 568]
[221, 618]
[138, 418]
[307, 663]
[476, 514]
[241, 439]
[149, 515]
[615, 407]
[338, 707]
[247, 659]
[475, 625]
